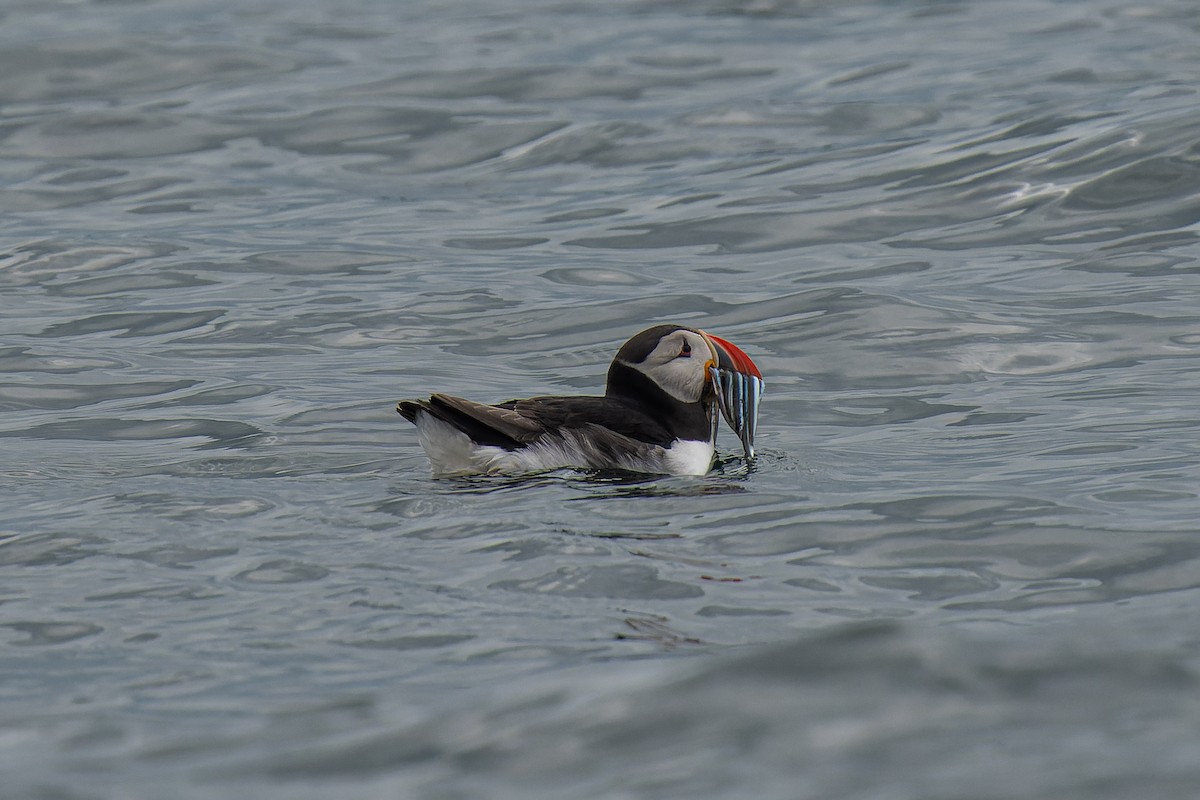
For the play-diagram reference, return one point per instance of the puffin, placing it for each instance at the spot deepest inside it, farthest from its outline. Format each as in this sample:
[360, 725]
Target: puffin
[666, 390]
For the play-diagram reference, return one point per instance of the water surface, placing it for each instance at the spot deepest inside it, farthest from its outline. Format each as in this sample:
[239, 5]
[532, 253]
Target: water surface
[959, 238]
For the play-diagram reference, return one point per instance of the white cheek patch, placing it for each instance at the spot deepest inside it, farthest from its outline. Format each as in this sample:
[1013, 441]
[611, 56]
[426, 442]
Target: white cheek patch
[682, 378]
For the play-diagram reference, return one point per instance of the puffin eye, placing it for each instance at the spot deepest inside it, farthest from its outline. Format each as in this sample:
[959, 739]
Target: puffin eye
[685, 351]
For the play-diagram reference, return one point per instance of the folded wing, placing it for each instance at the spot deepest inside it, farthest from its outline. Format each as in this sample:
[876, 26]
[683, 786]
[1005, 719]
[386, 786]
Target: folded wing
[484, 424]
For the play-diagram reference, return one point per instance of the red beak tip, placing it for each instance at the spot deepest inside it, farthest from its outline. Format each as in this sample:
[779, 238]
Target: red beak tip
[741, 362]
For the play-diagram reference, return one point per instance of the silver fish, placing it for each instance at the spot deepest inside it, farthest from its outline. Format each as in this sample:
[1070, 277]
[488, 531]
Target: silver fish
[738, 395]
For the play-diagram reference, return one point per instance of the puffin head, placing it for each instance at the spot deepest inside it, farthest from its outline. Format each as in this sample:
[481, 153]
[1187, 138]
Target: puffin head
[693, 367]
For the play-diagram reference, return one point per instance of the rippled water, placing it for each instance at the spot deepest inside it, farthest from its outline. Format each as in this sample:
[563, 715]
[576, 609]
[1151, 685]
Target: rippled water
[960, 239]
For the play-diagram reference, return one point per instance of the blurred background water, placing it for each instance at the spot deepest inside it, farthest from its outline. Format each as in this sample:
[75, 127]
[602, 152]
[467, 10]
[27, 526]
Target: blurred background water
[958, 236]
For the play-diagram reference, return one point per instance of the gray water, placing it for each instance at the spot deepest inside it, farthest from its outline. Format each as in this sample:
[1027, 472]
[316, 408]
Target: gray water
[959, 238]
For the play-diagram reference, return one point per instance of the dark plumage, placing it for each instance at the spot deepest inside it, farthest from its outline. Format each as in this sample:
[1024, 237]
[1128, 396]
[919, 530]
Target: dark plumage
[658, 414]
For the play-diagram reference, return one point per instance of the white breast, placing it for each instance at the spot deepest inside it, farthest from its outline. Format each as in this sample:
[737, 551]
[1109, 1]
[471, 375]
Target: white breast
[686, 457]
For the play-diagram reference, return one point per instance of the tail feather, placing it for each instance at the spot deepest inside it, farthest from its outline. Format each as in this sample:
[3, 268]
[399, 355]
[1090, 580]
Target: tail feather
[477, 430]
[409, 408]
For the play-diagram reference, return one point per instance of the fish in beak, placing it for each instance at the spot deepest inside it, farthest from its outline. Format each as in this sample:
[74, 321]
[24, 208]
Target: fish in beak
[738, 386]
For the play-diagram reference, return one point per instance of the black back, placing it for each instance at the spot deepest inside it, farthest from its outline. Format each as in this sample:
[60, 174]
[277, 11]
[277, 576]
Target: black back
[633, 406]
